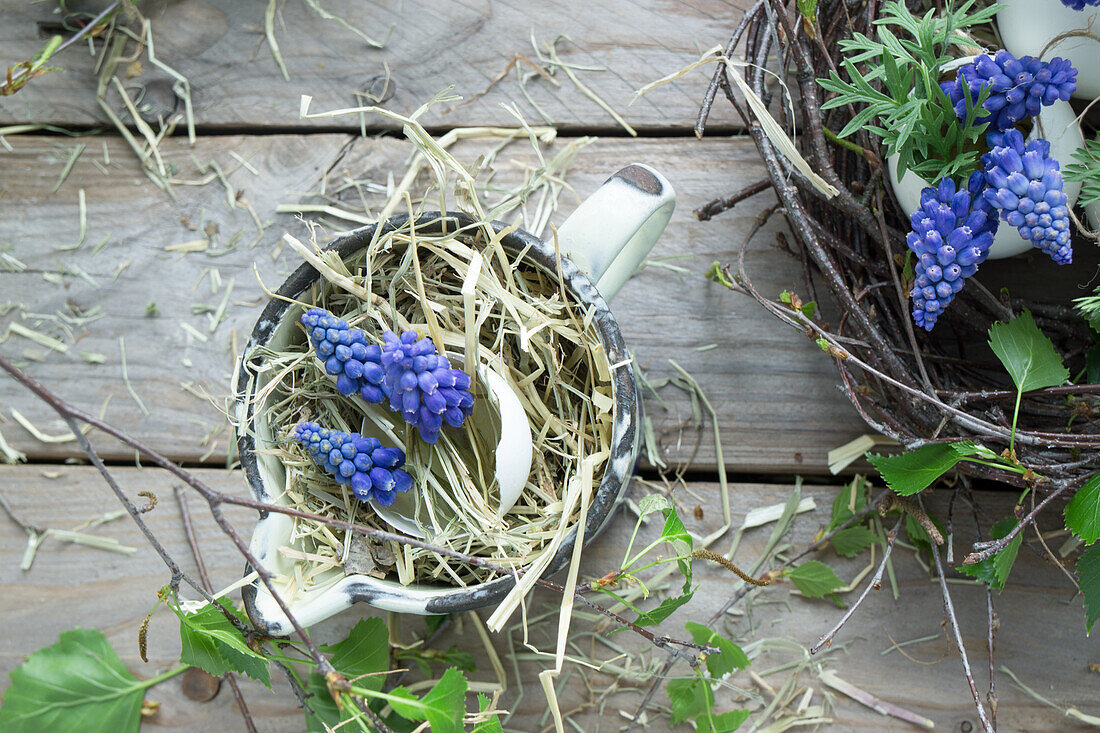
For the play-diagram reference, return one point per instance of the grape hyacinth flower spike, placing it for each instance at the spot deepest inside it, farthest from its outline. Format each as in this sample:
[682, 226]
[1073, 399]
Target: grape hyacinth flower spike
[347, 354]
[1017, 87]
[373, 471]
[423, 386]
[1080, 4]
[1025, 185]
[950, 238]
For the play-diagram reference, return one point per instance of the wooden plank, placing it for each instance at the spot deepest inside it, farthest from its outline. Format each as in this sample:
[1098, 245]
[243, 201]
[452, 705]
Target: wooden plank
[235, 83]
[1041, 636]
[773, 390]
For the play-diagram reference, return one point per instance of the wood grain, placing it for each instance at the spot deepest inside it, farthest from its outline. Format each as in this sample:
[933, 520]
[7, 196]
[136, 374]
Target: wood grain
[235, 83]
[778, 408]
[1041, 635]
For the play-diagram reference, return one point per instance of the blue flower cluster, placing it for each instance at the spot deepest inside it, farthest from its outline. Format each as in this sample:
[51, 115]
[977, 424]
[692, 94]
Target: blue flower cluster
[1018, 88]
[1025, 184]
[420, 383]
[951, 236]
[423, 386]
[347, 354]
[372, 470]
[1080, 4]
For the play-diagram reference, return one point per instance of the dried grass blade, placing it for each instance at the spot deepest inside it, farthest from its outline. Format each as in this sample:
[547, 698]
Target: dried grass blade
[269, 34]
[39, 338]
[776, 134]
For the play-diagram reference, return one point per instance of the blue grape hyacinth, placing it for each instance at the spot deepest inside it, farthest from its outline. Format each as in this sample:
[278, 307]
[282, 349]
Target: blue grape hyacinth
[1025, 185]
[1018, 87]
[347, 355]
[950, 237]
[1080, 4]
[373, 471]
[423, 386]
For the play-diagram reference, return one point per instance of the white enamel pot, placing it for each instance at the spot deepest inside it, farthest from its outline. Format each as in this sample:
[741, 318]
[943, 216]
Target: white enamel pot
[1031, 27]
[602, 243]
[1056, 124]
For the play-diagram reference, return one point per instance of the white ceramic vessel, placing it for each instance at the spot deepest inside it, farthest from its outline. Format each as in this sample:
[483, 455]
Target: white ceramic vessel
[1031, 27]
[1056, 124]
[602, 243]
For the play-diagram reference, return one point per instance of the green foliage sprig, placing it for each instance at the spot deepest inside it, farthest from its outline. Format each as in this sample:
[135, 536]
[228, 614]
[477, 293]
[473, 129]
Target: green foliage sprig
[1032, 362]
[1086, 171]
[912, 115]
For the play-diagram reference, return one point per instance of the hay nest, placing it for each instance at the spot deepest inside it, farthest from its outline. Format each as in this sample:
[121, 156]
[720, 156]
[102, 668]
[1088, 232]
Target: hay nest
[463, 290]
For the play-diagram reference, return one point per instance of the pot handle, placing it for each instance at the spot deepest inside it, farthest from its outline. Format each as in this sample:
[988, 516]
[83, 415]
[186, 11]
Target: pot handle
[612, 231]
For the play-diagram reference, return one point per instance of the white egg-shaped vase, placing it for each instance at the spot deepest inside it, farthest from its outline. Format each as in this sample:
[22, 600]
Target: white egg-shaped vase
[1092, 215]
[1057, 124]
[1030, 27]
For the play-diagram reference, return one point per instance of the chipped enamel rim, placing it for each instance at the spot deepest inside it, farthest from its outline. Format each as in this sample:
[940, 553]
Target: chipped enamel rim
[273, 530]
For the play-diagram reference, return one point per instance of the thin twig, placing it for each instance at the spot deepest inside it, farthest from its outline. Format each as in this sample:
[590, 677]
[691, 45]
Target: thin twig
[988, 549]
[875, 584]
[949, 607]
[718, 205]
[992, 623]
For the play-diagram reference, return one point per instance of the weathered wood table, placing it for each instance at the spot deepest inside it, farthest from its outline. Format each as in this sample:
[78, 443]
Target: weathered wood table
[99, 258]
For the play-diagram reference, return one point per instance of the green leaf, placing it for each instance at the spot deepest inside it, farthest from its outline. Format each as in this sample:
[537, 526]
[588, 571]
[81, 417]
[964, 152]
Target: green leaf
[689, 697]
[843, 502]
[814, 579]
[361, 657]
[913, 472]
[853, 540]
[492, 724]
[1086, 171]
[662, 611]
[722, 722]
[675, 534]
[443, 706]
[994, 570]
[1027, 354]
[434, 622]
[1083, 511]
[653, 503]
[1092, 365]
[729, 659]
[209, 641]
[1088, 571]
[78, 685]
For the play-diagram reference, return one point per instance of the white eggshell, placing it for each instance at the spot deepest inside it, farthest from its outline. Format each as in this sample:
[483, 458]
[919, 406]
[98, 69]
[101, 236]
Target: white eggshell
[1027, 26]
[1056, 124]
[515, 449]
[513, 457]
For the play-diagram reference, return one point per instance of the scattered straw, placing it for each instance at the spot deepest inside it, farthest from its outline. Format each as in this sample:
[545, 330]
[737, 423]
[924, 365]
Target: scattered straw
[39, 338]
[830, 679]
[69, 163]
[126, 377]
[1070, 712]
[269, 34]
[316, 6]
[9, 454]
[38, 434]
